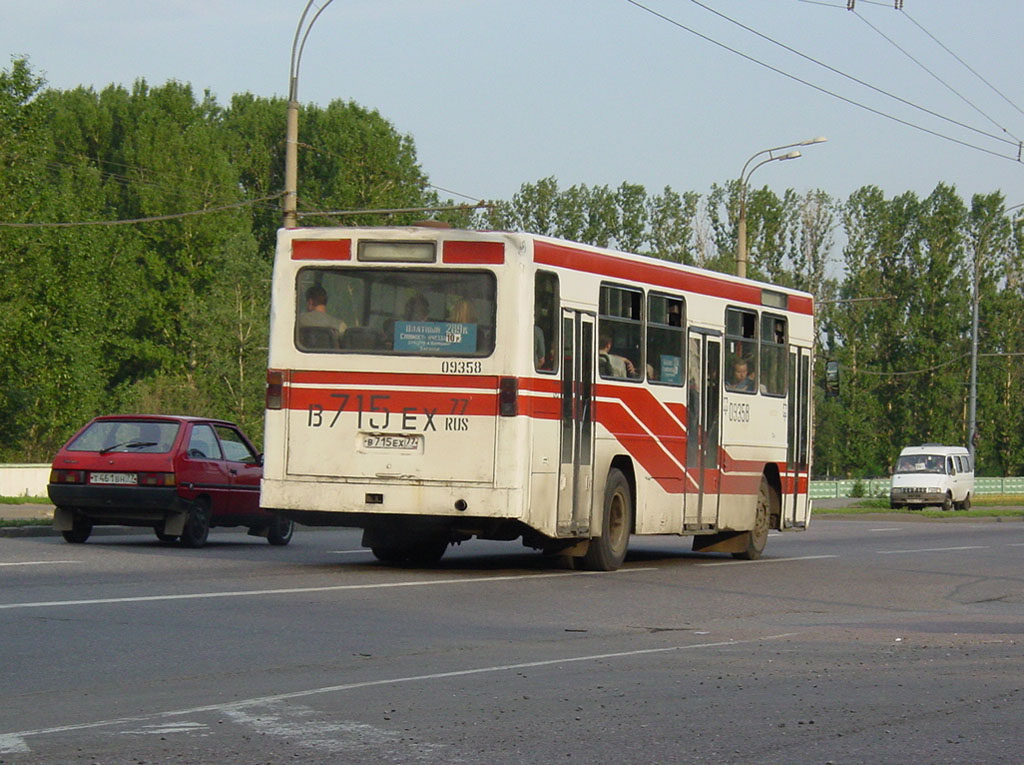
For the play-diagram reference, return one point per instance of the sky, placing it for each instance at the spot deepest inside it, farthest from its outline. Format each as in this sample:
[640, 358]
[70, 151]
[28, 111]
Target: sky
[598, 92]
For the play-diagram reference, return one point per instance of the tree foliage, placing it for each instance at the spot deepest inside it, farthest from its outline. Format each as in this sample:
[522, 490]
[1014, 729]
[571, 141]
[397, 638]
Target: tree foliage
[171, 314]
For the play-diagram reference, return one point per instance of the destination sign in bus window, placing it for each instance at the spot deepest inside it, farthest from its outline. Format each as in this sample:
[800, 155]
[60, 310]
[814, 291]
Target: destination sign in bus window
[435, 337]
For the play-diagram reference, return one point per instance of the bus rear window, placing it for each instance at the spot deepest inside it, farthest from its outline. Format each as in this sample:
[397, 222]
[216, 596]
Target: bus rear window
[421, 312]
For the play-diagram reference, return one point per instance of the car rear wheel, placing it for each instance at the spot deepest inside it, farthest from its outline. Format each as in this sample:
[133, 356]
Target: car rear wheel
[197, 527]
[80, 530]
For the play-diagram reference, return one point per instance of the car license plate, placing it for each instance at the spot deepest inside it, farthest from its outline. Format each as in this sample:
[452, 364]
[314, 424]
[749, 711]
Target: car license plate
[406, 443]
[126, 479]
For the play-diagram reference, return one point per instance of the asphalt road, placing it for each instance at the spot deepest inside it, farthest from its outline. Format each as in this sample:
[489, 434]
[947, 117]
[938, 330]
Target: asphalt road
[856, 642]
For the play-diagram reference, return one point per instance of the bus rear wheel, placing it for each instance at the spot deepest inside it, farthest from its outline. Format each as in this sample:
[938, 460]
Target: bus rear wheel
[608, 551]
[757, 538]
[420, 554]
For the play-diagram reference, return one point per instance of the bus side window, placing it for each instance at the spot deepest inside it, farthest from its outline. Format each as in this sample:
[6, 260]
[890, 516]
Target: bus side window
[665, 339]
[620, 332]
[774, 352]
[741, 350]
[545, 321]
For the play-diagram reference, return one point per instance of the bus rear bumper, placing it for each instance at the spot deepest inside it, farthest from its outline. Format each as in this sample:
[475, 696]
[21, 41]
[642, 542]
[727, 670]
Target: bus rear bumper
[324, 504]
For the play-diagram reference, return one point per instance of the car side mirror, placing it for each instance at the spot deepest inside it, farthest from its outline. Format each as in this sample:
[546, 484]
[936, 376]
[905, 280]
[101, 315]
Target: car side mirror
[259, 459]
[831, 379]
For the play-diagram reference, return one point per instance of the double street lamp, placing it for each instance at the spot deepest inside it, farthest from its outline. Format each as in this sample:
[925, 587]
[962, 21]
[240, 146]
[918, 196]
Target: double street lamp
[741, 234]
[291, 140]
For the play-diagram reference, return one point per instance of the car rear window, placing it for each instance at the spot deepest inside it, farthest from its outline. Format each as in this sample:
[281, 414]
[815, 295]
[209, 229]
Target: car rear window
[133, 436]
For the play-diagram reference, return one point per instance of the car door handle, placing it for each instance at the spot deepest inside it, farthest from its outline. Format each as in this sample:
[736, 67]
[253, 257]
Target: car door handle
[232, 471]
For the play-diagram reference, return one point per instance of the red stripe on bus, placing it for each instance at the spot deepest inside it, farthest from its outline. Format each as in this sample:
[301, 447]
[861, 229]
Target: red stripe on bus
[489, 253]
[321, 249]
[548, 253]
[397, 401]
[660, 448]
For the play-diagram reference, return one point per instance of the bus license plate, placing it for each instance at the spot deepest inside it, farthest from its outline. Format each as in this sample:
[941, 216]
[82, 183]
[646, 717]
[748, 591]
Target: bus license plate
[128, 479]
[408, 443]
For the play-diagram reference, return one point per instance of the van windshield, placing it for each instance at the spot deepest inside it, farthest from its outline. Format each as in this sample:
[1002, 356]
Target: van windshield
[921, 463]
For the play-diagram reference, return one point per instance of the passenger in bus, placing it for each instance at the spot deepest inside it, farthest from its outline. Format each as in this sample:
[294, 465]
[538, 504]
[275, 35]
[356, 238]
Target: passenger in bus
[611, 364]
[463, 312]
[315, 317]
[417, 308]
[741, 380]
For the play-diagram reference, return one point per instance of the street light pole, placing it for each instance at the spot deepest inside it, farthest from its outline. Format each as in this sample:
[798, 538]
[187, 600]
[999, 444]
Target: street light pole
[291, 139]
[741, 232]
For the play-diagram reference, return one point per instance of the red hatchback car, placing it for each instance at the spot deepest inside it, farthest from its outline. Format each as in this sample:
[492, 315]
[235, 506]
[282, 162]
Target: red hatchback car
[179, 475]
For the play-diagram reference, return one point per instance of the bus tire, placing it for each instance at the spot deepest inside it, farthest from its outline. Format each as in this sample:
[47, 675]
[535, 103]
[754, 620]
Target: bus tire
[427, 553]
[947, 502]
[280, 531]
[608, 551]
[757, 538]
[966, 504]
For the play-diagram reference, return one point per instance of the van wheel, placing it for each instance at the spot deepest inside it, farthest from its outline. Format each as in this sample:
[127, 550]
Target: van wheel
[608, 551]
[966, 504]
[947, 503]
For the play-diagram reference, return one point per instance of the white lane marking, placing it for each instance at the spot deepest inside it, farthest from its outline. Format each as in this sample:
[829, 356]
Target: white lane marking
[166, 728]
[311, 730]
[932, 549]
[766, 560]
[889, 529]
[297, 590]
[348, 552]
[1017, 544]
[38, 562]
[17, 738]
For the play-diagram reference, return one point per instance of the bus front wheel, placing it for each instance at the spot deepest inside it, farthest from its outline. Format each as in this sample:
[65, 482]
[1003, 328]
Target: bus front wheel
[607, 551]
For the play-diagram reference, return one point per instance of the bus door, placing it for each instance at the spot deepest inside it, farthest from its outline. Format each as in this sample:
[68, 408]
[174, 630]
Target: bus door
[704, 395]
[796, 502]
[576, 461]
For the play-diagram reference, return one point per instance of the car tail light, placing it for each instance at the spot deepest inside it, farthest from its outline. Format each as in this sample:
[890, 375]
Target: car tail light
[275, 389]
[156, 479]
[67, 476]
[508, 396]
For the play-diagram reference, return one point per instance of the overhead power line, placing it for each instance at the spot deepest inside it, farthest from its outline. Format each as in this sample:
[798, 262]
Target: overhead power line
[823, 90]
[850, 77]
[967, 66]
[150, 219]
[938, 79]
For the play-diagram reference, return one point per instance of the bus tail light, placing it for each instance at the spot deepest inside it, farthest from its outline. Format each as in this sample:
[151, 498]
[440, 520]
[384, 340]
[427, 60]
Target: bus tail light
[508, 396]
[275, 389]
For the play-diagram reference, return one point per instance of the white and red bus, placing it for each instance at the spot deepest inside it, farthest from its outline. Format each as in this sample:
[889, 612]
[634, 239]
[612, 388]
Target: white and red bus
[432, 385]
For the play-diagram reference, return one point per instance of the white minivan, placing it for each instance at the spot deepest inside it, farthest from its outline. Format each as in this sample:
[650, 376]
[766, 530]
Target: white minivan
[932, 474]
